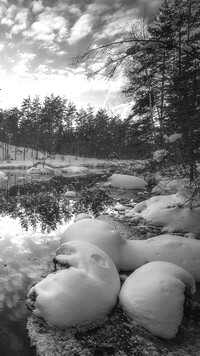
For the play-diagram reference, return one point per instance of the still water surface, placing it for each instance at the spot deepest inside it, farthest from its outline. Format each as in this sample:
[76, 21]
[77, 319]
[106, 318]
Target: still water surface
[33, 214]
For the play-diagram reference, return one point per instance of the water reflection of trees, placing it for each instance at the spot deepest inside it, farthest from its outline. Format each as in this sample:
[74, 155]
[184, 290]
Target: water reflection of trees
[44, 203]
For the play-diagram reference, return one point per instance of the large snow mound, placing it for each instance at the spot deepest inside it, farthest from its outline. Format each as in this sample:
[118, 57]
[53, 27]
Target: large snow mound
[128, 255]
[99, 233]
[169, 212]
[179, 250]
[153, 296]
[81, 295]
[127, 181]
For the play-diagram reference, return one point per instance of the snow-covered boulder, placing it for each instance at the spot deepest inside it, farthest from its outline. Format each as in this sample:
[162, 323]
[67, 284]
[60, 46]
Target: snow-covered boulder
[180, 250]
[81, 295]
[3, 176]
[169, 212]
[99, 233]
[82, 216]
[154, 297]
[159, 155]
[127, 181]
[75, 170]
[128, 255]
[174, 137]
[70, 194]
[40, 169]
[169, 185]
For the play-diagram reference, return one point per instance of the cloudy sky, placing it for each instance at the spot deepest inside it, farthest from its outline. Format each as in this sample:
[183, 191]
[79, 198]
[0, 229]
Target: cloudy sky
[39, 38]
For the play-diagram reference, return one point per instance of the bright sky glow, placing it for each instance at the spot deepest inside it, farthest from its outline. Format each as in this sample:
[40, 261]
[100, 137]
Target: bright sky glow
[38, 39]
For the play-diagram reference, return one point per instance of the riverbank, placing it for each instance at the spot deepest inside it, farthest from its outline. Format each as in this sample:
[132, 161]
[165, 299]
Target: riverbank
[117, 336]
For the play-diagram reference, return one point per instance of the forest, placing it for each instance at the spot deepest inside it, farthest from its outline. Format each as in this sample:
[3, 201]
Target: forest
[160, 60]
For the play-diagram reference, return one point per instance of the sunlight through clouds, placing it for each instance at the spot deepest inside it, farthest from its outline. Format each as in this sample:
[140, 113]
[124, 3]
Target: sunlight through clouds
[39, 38]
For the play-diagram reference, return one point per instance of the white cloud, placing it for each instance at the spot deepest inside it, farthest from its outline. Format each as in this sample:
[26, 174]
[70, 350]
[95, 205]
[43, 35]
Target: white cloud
[149, 6]
[11, 11]
[6, 21]
[96, 65]
[82, 28]
[23, 65]
[37, 6]
[21, 21]
[7, 14]
[49, 28]
[72, 9]
[98, 8]
[2, 46]
[117, 23]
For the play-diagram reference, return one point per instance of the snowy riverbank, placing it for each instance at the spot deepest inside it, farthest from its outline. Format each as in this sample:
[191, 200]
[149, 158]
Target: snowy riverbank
[117, 336]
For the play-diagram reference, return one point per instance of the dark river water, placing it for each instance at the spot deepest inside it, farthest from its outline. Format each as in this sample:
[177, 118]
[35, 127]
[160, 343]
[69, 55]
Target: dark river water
[33, 214]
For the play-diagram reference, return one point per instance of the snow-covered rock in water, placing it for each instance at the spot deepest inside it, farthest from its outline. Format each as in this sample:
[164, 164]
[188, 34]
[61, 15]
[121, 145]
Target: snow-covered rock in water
[127, 181]
[174, 137]
[99, 233]
[168, 185]
[154, 297]
[159, 155]
[82, 216]
[40, 169]
[167, 211]
[70, 194]
[3, 176]
[128, 255]
[75, 170]
[81, 295]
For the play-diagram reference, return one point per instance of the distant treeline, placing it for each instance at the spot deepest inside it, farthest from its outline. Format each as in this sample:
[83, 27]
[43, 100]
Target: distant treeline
[56, 126]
